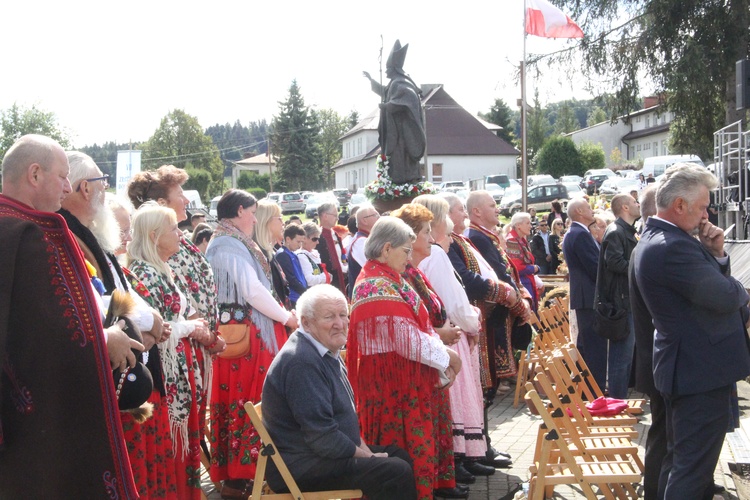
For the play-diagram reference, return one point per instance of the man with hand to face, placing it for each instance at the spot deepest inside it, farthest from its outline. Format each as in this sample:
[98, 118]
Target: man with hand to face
[308, 408]
[699, 315]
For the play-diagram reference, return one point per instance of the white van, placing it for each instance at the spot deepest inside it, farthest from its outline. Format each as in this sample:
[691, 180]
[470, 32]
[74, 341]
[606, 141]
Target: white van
[194, 198]
[656, 165]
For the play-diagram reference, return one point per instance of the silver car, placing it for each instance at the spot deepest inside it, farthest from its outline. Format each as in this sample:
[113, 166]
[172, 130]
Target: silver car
[291, 203]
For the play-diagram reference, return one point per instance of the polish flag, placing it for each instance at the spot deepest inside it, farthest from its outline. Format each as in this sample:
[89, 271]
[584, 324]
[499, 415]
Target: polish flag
[545, 20]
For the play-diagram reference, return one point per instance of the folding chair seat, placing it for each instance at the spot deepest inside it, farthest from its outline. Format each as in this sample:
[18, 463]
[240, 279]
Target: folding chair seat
[556, 464]
[268, 449]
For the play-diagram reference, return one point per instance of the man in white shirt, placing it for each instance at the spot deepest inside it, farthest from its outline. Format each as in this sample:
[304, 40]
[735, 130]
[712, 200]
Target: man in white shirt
[367, 216]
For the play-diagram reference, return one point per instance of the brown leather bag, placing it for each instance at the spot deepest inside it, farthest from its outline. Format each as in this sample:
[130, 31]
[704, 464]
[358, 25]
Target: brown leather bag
[237, 338]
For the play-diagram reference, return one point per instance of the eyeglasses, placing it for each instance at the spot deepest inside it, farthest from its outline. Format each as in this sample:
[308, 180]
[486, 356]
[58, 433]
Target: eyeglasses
[371, 215]
[408, 250]
[315, 238]
[104, 178]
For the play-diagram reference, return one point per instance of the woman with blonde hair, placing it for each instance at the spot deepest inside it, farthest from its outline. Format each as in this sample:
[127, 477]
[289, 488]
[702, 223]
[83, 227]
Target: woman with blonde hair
[156, 239]
[269, 234]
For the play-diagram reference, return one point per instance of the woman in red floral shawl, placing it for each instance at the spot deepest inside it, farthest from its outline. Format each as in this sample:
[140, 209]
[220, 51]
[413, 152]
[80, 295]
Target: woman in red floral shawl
[394, 358]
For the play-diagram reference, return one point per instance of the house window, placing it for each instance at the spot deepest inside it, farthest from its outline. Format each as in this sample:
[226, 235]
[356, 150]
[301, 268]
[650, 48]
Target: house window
[437, 172]
[664, 147]
[646, 147]
[637, 119]
[648, 122]
[359, 146]
[656, 148]
[348, 145]
[638, 148]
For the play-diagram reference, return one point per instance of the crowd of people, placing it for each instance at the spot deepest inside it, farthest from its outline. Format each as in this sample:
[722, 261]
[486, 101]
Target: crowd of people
[429, 302]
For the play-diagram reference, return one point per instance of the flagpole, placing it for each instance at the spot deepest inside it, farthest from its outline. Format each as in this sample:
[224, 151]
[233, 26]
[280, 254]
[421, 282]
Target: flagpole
[524, 159]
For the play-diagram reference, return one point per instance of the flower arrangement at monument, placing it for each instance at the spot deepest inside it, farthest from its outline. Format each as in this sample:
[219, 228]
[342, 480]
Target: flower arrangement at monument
[382, 188]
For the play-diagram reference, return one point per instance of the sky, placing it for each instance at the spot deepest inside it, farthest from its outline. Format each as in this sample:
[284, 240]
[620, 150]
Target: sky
[110, 71]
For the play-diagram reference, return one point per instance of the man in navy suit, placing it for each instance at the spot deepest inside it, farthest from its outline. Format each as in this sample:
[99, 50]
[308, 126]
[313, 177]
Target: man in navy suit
[582, 255]
[700, 313]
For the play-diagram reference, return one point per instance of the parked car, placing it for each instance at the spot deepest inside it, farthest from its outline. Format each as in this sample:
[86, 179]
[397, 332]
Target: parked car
[565, 179]
[592, 181]
[617, 185]
[343, 195]
[574, 190]
[273, 197]
[657, 165]
[539, 197]
[534, 180]
[501, 180]
[291, 203]
[317, 199]
[357, 199]
[212, 207]
[495, 191]
[451, 184]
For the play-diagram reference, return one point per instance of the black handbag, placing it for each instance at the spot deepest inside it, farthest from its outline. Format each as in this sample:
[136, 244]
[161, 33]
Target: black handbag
[611, 323]
[520, 335]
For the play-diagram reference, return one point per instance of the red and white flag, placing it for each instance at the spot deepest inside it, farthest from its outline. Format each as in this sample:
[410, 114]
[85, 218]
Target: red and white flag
[546, 20]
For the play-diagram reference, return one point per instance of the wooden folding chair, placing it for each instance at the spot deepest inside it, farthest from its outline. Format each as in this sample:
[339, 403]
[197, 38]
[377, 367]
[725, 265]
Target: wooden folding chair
[558, 464]
[268, 449]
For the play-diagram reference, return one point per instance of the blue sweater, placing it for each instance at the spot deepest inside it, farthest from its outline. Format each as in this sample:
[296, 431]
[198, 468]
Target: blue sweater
[307, 409]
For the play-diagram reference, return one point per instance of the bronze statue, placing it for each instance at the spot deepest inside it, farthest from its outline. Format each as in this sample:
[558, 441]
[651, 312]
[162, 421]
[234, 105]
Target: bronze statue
[401, 130]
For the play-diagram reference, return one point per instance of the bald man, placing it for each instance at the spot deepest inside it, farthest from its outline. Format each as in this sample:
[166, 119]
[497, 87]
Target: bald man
[57, 392]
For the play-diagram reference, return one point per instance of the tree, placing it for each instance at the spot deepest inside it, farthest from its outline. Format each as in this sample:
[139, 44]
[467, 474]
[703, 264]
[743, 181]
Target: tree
[538, 127]
[501, 114]
[559, 156]
[180, 141]
[353, 118]
[591, 156]
[615, 157]
[686, 48]
[566, 121]
[296, 144]
[17, 121]
[332, 127]
[596, 115]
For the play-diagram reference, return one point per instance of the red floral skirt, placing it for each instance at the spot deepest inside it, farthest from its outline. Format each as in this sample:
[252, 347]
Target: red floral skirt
[400, 414]
[234, 442]
[188, 467]
[150, 451]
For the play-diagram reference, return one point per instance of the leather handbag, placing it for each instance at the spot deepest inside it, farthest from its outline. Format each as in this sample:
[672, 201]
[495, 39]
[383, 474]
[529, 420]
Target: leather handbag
[237, 338]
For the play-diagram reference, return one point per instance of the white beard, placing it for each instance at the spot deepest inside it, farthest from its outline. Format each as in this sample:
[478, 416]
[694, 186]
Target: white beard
[106, 230]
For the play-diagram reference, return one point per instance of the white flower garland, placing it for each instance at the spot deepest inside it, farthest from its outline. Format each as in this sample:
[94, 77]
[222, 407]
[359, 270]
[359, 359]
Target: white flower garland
[384, 188]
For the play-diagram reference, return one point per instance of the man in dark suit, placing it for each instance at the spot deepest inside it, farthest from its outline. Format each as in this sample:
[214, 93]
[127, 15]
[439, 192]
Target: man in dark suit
[582, 255]
[540, 247]
[700, 314]
[656, 440]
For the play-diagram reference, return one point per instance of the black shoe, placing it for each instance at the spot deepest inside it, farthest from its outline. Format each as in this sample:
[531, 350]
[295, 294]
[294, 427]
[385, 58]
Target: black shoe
[493, 453]
[463, 487]
[451, 493]
[717, 489]
[464, 476]
[478, 469]
[498, 463]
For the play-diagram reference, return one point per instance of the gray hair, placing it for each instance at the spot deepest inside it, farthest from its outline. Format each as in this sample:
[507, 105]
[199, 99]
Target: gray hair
[475, 198]
[648, 202]
[680, 181]
[311, 229]
[519, 217]
[309, 300]
[360, 213]
[387, 230]
[82, 166]
[327, 207]
[435, 204]
[26, 151]
[452, 199]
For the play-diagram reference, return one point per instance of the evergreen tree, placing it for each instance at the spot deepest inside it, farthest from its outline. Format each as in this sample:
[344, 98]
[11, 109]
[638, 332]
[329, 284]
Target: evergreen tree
[296, 144]
[596, 115]
[566, 120]
[538, 127]
[352, 119]
[501, 114]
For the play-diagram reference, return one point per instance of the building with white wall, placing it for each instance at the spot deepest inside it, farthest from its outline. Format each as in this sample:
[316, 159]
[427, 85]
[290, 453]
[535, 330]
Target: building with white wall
[460, 146]
[638, 135]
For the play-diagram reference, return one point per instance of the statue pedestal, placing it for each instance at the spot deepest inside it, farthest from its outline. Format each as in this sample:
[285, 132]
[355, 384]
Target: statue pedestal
[383, 205]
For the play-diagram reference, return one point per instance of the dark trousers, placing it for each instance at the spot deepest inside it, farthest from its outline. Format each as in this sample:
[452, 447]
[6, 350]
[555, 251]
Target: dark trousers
[390, 478]
[593, 347]
[656, 448]
[696, 425]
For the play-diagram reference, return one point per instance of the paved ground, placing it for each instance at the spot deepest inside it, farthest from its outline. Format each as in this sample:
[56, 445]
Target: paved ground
[514, 430]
